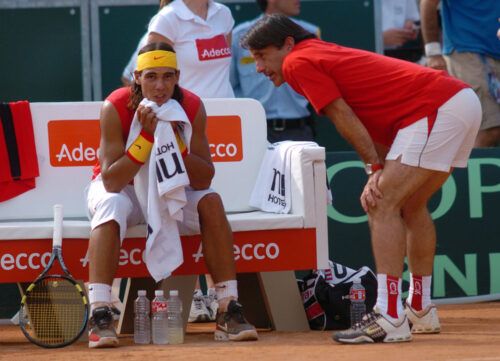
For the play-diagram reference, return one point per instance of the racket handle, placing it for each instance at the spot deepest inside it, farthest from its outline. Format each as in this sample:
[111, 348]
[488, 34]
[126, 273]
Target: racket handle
[58, 226]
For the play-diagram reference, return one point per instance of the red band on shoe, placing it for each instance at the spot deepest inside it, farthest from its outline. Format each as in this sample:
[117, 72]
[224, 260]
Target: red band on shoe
[416, 297]
[392, 296]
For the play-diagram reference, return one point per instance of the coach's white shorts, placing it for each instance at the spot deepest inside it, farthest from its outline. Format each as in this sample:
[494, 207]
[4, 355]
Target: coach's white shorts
[124, 208]
[451, 139]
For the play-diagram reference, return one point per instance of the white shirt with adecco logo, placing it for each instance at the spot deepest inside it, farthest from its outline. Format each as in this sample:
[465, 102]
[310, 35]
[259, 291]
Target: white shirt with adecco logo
[203, 54]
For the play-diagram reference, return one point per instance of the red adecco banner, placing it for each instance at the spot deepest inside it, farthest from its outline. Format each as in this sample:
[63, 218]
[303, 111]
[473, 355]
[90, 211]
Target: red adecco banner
[254, 251]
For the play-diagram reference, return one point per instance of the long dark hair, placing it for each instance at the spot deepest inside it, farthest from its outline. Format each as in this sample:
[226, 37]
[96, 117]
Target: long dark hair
[136, 94]
[273, 30]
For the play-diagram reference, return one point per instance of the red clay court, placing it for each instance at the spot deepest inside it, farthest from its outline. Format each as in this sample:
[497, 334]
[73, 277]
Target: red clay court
[469, 333]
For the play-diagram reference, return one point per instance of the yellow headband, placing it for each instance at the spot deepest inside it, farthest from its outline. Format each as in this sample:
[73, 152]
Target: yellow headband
[156, 59]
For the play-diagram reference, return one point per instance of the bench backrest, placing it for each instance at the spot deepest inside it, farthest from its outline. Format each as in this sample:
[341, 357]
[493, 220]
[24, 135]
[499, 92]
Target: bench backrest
[67, 138]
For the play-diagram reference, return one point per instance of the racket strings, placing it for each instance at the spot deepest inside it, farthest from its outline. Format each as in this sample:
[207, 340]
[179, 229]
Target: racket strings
[55, 311]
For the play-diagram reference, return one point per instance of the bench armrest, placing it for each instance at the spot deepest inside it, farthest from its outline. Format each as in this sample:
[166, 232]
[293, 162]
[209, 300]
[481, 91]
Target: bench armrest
[309, 195]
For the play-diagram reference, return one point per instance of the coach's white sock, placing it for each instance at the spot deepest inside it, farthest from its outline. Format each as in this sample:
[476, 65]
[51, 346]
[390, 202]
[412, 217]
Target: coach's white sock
[99, 293]
[419, 294]
[388, 295]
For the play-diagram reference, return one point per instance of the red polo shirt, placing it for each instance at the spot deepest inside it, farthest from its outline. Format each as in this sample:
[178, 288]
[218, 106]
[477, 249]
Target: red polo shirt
[386, 94]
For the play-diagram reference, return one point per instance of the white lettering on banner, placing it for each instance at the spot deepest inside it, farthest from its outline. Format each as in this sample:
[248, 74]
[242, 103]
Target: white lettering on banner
[216, 53]
[139, 259]
[85, 260]
[199, 253]
[23, 261]
[78, 154]
[247, 252]
[135, 256]
[31, 264]
[123, 260]
[7, 262]
[223, 150]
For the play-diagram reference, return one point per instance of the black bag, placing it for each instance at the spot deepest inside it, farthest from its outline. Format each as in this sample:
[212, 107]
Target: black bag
[325, 294]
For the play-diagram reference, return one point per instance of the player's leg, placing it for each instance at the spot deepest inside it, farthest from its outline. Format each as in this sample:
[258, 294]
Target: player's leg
[451, 149]
[217, 240]
[421, 245]
[388, 323]
[111, 212]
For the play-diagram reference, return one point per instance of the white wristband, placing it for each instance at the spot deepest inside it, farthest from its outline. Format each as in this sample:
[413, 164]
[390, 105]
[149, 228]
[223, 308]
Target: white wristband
[433, 49]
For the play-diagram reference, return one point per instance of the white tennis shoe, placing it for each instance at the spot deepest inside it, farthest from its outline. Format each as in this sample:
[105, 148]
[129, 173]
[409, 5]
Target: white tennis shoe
[424, 321]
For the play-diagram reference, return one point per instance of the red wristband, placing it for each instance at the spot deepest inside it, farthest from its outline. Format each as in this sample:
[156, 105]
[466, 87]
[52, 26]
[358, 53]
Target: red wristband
[149, 137]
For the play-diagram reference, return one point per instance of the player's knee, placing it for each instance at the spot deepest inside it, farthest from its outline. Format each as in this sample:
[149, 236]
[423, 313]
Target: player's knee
[211, 202]
[413, 209]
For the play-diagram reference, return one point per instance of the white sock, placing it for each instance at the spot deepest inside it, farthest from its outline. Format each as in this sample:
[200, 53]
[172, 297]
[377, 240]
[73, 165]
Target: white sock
[99, 293]
[227, 289]
[419, 294]
[389, 295]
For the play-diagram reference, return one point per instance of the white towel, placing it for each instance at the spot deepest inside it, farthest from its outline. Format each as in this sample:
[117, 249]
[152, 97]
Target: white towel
[271, 192]
[160, 188]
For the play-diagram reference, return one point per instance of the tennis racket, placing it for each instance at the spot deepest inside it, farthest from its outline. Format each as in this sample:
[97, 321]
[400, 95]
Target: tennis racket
[54, 310]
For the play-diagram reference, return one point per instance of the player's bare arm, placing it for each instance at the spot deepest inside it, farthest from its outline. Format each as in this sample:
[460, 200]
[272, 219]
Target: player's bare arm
[198, 162]
[351, 128]
[117, 169]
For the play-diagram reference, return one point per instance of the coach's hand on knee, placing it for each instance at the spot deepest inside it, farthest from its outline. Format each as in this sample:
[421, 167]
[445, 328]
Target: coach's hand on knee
[371, 192]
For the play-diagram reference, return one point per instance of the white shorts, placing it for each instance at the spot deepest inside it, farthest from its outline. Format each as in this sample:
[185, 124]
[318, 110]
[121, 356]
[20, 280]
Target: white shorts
[124, 208]
[450, 141]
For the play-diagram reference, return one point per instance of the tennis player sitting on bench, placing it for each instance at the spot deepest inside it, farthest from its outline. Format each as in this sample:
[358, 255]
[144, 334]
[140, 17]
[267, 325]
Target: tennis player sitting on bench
[114, 207]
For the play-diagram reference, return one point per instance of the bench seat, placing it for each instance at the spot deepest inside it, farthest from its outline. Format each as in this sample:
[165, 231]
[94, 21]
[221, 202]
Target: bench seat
[80, 228]
[268, 247]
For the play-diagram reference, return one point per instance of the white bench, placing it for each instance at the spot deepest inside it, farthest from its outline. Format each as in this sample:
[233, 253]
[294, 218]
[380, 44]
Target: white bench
[266, 244]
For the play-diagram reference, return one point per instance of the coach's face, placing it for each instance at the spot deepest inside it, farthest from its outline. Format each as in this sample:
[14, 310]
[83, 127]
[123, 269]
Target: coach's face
[269, 60]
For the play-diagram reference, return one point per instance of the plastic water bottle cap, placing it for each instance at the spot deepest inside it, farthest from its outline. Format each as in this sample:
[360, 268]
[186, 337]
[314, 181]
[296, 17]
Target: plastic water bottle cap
[141, 293]
[356, 280]
[174, 293]
[158, 292]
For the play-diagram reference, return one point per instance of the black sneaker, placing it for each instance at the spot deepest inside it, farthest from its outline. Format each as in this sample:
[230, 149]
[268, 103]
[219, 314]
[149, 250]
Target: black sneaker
[102, 331]
[232, 325]
[374, 327]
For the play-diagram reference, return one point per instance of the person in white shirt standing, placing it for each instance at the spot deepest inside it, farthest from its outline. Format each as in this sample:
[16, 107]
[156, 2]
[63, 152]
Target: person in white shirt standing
[200, 33]
[400, 29]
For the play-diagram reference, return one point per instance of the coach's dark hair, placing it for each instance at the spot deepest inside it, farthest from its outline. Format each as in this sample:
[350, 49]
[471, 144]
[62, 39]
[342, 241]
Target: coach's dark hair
[262, 5]
[273, 30]
[136, 95]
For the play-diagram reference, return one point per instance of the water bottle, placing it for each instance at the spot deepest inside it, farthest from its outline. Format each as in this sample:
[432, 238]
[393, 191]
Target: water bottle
[159, 318]
[357, 295]
[175, 324]
[142, 322]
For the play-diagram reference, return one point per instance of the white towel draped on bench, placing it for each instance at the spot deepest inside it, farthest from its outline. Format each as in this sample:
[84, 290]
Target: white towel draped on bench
[271, 192]
[160, 188]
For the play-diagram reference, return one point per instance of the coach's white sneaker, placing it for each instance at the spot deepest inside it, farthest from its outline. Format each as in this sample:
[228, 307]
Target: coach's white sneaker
[374, 327]
[425, 321]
